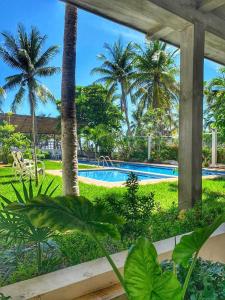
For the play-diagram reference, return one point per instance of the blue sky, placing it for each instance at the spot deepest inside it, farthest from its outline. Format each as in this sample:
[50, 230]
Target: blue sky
[93, 32]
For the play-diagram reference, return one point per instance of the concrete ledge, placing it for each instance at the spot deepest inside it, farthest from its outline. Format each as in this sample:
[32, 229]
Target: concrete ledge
[81, 281]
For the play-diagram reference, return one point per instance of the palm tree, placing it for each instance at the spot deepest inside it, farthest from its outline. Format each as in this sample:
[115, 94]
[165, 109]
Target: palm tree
[117, 71]
[68, 105]
[215, 95]
[155, 77]
[25, 53]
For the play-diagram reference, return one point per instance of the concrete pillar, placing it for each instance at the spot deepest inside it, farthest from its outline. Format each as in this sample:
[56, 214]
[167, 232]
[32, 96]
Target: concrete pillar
[214, 147]
[149, 147]
[191, 115]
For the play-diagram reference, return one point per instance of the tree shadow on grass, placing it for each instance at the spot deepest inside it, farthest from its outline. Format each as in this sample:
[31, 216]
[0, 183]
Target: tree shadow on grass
[173, 187]
[210, 196]
[9, 182]
[7, 176]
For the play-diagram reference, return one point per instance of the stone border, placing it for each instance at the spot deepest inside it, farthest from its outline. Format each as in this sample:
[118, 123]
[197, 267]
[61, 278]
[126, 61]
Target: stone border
[81, 280]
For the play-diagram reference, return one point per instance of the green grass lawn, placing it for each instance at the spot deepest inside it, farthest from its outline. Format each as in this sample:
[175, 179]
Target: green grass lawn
[57, 165]
[165, 193]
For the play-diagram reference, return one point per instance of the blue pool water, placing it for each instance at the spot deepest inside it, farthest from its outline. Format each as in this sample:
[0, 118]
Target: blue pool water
[120, 173]
[147, 168]
[114, 175]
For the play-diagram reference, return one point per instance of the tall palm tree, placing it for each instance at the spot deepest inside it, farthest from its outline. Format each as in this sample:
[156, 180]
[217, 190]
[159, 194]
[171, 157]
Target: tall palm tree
[25, 53]
[68, 105]
[117, 71]
[155, 76]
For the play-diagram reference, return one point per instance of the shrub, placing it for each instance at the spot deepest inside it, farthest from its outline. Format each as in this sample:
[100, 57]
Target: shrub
[221, 154]
[207, 280]
[171, 222]
[165, 152]
[206, 157]
[10, 139]
[77, 247]
[134, 208]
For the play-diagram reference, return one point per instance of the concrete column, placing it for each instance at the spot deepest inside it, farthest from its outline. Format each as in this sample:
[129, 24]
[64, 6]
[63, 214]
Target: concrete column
[191, 115]
[149, 147]
[214, 147]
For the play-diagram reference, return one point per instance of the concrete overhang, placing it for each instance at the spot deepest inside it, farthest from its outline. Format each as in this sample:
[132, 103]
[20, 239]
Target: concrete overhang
[166, 19]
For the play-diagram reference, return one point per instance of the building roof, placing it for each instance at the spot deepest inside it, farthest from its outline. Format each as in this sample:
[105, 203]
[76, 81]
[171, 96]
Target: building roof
[23, 123]
[165, 19]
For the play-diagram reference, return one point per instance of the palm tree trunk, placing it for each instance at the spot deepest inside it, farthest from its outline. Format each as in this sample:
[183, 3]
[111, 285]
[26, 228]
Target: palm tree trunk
[68, 108]
[125, 109]
[34, 133]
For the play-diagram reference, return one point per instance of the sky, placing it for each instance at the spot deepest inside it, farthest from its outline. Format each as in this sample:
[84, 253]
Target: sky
[93, 32]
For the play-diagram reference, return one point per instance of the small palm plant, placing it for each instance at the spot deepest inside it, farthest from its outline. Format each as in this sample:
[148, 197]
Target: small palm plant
[17, 228]
[143, 276]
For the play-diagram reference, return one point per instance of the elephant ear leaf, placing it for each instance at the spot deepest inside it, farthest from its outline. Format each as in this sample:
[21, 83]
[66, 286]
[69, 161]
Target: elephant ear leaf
[69, 213]
[190, 245]
[144, 278]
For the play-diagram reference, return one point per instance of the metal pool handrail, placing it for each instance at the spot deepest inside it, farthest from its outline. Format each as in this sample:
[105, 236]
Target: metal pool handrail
[109, 160]
[106, 160]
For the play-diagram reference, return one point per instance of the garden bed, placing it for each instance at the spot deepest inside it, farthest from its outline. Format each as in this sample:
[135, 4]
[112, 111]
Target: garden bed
[84, 279]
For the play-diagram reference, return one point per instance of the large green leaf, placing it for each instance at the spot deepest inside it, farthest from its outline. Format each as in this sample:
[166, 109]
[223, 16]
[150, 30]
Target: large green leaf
[143, 276]
[69, 213]
[167, 287]
[191, 244]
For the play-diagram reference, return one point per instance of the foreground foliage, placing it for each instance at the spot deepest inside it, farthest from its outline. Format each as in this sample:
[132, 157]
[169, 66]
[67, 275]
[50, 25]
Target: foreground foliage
[143, 276]
[206, 282]
[18, 229]
[20, 262]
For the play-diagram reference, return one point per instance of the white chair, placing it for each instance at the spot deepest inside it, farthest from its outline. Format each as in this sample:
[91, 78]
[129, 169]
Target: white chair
[25, 168]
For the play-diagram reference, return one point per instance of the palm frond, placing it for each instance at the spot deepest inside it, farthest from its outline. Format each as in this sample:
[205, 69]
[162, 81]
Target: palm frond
[47, 71]
[44, 94]
[9, 59]
[18, 98]
[13, 81]
[36, 43]
[46, 56]
[10, 43]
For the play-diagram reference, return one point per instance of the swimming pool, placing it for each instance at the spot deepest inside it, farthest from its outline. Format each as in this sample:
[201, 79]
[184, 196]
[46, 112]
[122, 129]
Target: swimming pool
[162, 170]
[116, 175]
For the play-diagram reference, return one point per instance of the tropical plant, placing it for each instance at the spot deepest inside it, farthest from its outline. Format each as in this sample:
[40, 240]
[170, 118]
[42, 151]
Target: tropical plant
[24, 54]
[71, 213]
[207, 280]
[155, 77]
[68, 105]
[135, 209]
[10, 139]
[117, 71]
[17, 228]
[143, 276]
[215, 93]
